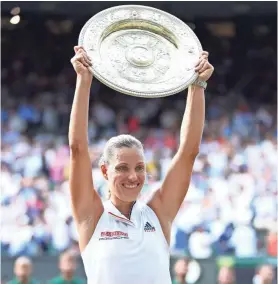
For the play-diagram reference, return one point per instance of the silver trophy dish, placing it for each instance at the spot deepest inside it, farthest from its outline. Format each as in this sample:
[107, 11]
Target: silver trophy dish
[141, 51]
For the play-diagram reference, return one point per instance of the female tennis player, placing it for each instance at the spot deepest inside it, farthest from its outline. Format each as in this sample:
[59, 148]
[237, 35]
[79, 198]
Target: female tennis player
[122, 240]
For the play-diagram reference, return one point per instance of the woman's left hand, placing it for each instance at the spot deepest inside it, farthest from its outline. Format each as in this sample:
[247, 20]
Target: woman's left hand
[203, 67]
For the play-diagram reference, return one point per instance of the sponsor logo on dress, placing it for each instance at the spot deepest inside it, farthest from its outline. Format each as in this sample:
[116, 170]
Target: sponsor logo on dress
[149, 228]
[115, 235]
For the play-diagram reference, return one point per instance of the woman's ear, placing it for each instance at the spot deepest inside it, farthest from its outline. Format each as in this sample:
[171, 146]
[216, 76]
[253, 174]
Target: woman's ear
[104, 171]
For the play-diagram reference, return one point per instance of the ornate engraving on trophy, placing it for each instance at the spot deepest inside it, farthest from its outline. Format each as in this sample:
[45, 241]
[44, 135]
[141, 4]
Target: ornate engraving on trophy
[137, 51]
[134, 14]
[140, 56]
[156, 17]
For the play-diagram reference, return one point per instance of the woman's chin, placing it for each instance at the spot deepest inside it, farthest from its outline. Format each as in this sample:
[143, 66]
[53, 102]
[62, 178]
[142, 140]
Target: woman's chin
[129, 196]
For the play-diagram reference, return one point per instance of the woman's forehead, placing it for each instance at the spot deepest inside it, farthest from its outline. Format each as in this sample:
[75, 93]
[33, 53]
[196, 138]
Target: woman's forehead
[128, 155]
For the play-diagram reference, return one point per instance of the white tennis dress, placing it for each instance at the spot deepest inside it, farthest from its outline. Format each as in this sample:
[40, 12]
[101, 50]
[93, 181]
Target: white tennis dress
[123, 251]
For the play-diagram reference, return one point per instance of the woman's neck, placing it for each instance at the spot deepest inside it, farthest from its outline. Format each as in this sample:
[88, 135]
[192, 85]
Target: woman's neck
[125, 207]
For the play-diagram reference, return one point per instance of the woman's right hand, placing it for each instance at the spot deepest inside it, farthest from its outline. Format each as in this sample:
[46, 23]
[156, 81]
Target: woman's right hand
[81, 62]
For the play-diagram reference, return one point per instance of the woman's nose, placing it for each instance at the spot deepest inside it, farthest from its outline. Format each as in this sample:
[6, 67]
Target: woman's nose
[132, 176]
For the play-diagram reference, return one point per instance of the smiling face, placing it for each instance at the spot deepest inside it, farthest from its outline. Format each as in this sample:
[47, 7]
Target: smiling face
[126, 173]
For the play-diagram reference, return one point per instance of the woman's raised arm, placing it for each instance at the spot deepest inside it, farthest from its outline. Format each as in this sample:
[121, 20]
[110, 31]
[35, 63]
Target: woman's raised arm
[174, 188]
[86, 204]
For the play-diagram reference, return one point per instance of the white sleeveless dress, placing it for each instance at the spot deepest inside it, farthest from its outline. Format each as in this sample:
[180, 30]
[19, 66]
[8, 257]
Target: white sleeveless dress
[123, 251]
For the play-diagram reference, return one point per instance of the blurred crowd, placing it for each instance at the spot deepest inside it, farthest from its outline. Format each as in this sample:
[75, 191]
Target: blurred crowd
[231, 206]
[67, 265]
[183, 272]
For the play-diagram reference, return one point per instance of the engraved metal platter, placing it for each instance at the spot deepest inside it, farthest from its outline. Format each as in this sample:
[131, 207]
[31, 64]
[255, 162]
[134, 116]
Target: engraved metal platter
[141, 51]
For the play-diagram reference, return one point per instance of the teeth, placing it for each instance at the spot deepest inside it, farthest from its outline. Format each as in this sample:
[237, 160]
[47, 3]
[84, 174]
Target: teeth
[130, 186]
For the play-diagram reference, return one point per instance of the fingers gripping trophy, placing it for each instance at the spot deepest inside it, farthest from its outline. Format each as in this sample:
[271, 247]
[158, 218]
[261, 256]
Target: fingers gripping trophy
[144, 52]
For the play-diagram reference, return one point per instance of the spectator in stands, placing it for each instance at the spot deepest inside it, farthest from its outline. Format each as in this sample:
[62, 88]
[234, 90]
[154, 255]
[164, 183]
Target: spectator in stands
[200, 243]
[226, 275]
[67, 266]
[244, 241]
[271, 243]
[180, 271]
[23, 271]
[264, 275]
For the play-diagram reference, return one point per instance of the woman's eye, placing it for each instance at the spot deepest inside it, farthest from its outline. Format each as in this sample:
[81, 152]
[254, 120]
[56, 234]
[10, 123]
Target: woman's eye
[122, 169]
[140, 169]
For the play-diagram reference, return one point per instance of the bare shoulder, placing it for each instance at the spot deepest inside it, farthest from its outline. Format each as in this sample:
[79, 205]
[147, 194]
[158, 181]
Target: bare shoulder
[156, 205]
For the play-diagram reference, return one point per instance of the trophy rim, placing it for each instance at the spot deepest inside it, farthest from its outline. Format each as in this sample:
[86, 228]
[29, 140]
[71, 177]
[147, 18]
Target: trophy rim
[126, 90]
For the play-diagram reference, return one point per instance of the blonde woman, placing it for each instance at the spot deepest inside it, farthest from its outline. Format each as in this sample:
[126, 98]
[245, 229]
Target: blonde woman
[123, 241]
